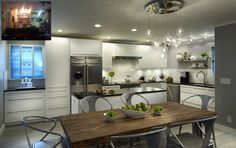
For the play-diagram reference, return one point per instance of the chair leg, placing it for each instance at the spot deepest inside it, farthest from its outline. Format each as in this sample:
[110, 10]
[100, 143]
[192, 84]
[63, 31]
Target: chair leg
[214, 138]
[180, 129]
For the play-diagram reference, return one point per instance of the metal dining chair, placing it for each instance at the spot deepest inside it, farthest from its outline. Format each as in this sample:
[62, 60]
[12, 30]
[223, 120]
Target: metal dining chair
[88, 104]
[126, 98]
[205, 99]
[36, 123]
[155, 138]
[192, 140]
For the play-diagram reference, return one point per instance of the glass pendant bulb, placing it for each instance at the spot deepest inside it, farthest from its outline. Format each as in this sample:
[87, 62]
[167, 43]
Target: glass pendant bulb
[156, 43]
[148, 33]
[179, 31]
[163, 55]
[164, 50]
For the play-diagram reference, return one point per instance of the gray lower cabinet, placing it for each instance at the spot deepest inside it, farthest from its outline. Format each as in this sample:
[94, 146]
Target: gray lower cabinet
[155, 84]
[24, 103]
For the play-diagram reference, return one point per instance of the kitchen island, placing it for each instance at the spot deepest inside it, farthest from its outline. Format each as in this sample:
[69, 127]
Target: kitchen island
[138, 90]
[152, 94]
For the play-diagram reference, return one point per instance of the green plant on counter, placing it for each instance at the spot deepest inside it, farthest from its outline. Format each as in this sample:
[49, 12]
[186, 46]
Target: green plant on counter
[158, 108]
[204, 55]
[111, 73]
[111, 92]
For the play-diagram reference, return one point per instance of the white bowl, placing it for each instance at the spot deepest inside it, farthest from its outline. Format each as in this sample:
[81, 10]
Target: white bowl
[133, 113]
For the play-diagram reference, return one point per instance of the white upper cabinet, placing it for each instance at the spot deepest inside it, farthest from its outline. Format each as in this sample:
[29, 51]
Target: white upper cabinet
[150, 56]
[107, 53]
[85, 47]
[57, 61]
[127, 50]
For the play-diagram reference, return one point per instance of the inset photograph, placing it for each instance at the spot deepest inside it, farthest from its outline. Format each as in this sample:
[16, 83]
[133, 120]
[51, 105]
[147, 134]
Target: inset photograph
[26, 20]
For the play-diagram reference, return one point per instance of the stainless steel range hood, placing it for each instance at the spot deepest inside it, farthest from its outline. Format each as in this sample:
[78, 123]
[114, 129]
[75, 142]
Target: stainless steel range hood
[127, 57]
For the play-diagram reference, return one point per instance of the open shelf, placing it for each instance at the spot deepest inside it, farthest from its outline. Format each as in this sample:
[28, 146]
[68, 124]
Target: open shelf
[195, 61]
[189, 63]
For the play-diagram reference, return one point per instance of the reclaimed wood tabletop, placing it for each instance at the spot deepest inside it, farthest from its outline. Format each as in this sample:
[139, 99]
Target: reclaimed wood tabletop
[89, 128]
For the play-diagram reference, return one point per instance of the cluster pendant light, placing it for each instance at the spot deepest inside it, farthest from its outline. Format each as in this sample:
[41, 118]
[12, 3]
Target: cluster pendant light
[160, 34]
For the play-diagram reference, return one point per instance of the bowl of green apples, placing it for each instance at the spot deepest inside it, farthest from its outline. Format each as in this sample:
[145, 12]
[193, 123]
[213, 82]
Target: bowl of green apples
[135, 111]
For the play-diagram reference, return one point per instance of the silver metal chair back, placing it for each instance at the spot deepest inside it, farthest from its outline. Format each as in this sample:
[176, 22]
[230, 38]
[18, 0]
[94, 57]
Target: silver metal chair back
[126, 98]
[205, 131]
[204, 98]
[155, 138]
[90, 101]
[29, 123]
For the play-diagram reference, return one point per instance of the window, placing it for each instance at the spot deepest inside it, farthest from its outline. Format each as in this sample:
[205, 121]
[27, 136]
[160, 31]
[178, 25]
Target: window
[26, 61]
[213, 60]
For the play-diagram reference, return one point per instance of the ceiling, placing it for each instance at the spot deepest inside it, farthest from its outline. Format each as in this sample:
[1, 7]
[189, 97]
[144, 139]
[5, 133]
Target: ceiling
[77, 18]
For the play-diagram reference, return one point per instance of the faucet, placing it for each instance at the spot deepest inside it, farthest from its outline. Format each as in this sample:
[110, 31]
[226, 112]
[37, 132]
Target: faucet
[204, 76]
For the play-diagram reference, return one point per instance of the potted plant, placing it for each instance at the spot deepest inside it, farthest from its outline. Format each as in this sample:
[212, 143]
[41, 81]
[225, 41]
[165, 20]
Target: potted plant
[111, 74]
[204, 55]
[157, 110]
[110, 115]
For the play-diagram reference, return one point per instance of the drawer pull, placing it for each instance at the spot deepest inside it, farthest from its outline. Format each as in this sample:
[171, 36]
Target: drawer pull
[24, 99]
[26, 110]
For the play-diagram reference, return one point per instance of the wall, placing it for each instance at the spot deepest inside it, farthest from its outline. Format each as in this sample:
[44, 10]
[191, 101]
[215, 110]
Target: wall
[194, 48]
[225, 68]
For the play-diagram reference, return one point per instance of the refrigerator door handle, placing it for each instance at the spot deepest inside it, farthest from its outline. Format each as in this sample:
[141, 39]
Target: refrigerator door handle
[85, 80]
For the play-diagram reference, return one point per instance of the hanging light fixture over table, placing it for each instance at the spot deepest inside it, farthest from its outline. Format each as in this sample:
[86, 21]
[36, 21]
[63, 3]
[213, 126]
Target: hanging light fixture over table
[161, 7]
[164, 6]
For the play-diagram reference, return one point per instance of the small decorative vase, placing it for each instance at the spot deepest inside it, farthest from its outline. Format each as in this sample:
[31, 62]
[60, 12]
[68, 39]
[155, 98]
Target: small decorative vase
[111, 80]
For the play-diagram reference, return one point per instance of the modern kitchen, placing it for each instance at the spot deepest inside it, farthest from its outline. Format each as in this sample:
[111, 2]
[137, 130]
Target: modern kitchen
[117, 73]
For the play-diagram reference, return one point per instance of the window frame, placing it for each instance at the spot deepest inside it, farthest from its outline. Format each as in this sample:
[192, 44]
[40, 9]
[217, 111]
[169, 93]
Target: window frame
[213, 61]
[26, 45]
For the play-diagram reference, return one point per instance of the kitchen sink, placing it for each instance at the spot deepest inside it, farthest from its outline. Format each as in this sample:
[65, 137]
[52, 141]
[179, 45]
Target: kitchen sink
[202, 84]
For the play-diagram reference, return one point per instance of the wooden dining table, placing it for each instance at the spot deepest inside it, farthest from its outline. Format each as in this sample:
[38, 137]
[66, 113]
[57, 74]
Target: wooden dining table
[85, 129]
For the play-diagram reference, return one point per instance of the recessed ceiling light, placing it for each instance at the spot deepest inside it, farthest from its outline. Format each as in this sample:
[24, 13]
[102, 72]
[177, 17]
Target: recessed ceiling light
[148, 40]
[134, 30]
[108, 37]
[97, 25]
[59, 30]
[205, 37]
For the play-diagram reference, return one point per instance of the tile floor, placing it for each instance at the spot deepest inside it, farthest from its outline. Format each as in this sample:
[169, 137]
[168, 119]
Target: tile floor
[14, 137]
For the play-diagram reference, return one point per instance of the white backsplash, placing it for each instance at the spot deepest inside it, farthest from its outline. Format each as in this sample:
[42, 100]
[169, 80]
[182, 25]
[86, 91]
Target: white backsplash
[123, 70]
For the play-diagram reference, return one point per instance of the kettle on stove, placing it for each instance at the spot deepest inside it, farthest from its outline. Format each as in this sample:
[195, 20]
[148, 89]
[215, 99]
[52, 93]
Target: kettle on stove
[142, 78]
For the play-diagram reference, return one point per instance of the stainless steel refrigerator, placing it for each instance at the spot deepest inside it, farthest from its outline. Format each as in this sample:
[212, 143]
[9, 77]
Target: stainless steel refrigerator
[85, 75]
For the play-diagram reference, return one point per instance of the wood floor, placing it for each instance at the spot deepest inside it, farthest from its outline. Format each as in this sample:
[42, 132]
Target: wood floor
[14, 137]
